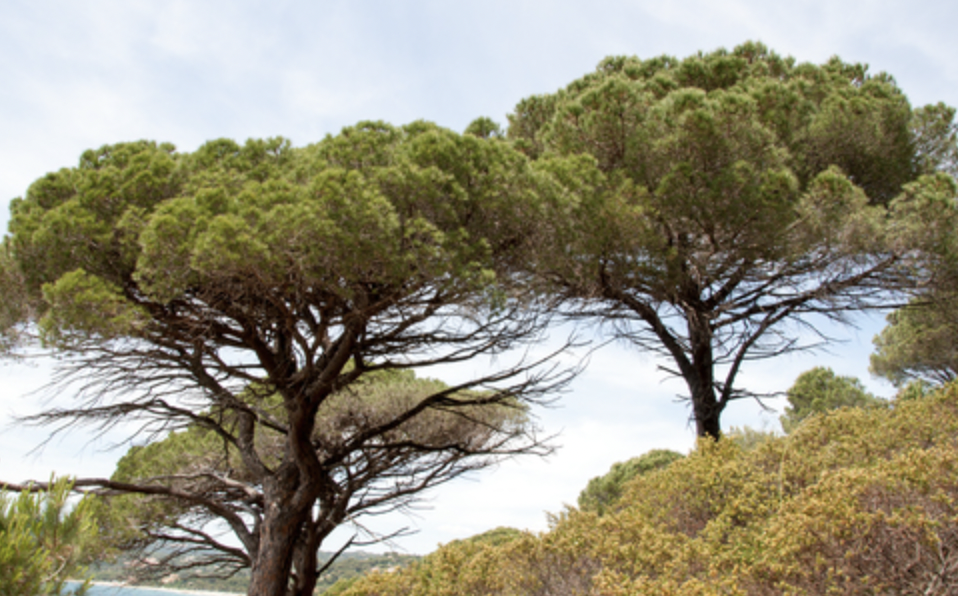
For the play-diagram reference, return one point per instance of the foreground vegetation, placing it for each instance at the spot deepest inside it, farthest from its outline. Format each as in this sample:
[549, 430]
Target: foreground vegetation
[44, 541]
[856, 501]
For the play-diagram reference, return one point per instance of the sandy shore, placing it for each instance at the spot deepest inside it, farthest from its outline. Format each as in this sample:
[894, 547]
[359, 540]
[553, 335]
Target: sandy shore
[162, 589]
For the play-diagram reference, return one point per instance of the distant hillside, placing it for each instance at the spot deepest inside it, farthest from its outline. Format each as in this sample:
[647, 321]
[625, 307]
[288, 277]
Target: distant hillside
[348, 566]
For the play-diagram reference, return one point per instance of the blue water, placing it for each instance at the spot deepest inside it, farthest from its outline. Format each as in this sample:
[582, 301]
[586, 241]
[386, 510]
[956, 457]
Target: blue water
[128, 591]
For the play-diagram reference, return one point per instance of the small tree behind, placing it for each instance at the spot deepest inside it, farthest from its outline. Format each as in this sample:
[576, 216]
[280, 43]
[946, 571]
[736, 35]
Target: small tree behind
[602, 492]
[181, 536]
[919, 343]
[819, 390]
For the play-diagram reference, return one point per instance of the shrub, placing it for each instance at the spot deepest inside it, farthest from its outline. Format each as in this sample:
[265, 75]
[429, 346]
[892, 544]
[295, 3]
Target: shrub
[855, 501]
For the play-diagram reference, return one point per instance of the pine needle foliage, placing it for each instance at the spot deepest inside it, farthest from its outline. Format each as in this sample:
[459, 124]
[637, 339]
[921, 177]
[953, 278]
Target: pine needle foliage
[44, 541]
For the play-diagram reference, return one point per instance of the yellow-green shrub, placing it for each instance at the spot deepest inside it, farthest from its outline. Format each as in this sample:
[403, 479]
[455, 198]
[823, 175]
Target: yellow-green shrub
[852, 502]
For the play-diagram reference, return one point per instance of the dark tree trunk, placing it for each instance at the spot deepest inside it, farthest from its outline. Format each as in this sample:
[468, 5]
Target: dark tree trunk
[273, 563]
[288, 539]
[707, 414]
[280, 530]
[695, 361]
[307, 563]
[700, 376]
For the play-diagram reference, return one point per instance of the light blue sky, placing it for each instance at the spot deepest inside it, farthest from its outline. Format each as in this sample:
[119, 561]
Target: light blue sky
[79, 75]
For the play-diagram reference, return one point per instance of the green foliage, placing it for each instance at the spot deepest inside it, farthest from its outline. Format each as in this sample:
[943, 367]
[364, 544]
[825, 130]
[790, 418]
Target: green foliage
[603, 492]
[934, 134]
[855, 501]
[83, 306]
[375, 202]
[914, 390]
[749, 438]
[128, 523]
[819, 390]
[484, 128]
[496, 536]
[43, 541]
[14, 303]
[918, 344]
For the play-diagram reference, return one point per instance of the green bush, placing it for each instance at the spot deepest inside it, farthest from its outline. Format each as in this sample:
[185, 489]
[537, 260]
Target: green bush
[854, 501]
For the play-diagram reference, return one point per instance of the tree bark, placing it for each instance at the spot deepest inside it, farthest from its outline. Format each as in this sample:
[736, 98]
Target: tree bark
[272, 565]
[707, 413]
[307, 562]
[700, 376]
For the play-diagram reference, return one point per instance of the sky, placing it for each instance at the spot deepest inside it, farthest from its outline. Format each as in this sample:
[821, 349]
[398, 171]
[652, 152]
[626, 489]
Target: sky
[78, 75]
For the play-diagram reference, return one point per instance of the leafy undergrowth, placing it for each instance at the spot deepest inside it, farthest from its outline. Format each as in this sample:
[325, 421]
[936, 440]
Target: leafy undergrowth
[858, 501]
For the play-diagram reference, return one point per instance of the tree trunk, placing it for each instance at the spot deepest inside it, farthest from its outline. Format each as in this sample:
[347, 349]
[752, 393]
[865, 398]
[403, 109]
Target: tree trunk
[700, 376]
[707, 414]
[307, 562]
[279, 531]
[696, 362]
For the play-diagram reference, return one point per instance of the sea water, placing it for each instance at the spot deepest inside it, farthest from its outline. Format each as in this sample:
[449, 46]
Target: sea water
[102, 590]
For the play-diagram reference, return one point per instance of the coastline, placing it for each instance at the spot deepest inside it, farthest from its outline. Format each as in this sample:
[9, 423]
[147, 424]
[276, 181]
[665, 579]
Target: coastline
[109, 584]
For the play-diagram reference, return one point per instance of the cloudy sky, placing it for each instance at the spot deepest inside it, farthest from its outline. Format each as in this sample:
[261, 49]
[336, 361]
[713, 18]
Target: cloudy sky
[77, 75]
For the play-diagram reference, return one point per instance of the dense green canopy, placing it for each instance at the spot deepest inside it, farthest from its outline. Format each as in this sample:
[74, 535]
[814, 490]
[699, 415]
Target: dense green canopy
[342, 225]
